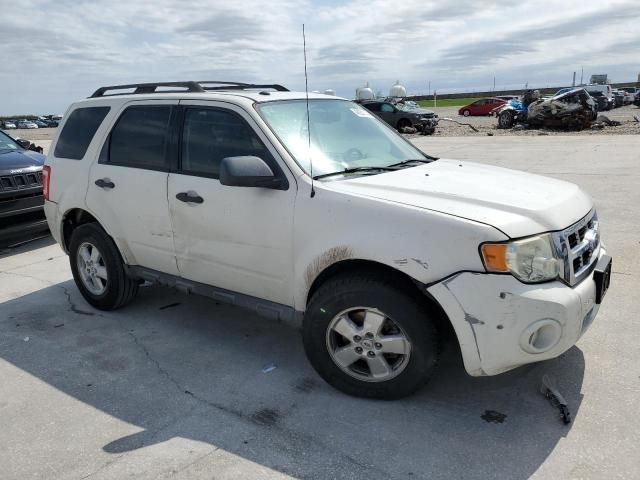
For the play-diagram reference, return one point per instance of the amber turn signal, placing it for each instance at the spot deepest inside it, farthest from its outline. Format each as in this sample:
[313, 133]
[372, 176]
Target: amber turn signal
[495, 257]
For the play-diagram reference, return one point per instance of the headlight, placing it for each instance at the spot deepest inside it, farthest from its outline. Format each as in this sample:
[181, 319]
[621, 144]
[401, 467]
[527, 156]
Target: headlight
[529, 260]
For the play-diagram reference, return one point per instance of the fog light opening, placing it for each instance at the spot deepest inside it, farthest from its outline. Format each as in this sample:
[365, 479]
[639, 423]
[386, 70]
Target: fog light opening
[541, 336]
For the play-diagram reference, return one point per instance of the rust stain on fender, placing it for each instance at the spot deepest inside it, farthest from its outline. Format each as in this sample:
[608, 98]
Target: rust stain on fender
[328, 258]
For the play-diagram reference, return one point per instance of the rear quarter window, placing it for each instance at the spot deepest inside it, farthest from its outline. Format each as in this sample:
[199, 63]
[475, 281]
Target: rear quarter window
[78, 131]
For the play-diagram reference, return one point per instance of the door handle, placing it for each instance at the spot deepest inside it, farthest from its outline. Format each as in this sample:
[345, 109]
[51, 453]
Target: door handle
[105, 183]
[189, 197]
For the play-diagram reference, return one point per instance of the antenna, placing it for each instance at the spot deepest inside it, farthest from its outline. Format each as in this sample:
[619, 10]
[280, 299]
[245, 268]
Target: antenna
[306, 89]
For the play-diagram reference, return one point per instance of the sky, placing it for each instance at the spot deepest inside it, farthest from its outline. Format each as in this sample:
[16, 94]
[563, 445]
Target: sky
[58, 51]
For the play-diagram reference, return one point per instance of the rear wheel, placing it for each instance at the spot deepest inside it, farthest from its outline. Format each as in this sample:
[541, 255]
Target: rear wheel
[368, 338]
[98, 269]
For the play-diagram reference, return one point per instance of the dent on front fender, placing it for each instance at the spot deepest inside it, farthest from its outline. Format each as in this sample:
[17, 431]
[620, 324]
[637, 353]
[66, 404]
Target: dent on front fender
[463, 329]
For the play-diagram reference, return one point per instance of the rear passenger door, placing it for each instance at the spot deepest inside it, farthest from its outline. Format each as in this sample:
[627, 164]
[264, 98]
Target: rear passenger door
[236, 238]
[128, 184]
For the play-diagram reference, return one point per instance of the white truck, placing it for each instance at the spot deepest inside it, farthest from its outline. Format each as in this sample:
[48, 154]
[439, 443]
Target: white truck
[310, 208]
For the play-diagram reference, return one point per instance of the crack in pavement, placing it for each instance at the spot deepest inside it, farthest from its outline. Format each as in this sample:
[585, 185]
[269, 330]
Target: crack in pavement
[197, 460]
[72, 306]
[288, 434]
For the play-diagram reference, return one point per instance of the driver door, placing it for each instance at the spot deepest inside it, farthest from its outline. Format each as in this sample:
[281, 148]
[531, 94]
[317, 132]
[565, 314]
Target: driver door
[236, 238]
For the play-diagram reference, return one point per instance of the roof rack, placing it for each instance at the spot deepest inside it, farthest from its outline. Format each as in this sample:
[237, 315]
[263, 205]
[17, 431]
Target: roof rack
[190, 86]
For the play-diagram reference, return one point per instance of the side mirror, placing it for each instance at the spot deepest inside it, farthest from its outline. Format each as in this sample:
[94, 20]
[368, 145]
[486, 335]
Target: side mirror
[23, 143]
[249, 171]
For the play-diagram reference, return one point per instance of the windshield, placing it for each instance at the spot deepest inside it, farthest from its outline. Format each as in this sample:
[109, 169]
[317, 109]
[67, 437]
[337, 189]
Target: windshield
[343, 135]
[406, 107]
[7, 144]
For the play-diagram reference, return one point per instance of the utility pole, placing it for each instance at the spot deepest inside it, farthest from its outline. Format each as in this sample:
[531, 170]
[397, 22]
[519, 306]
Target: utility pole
[494, 83]
[581, 75]
[573, 84]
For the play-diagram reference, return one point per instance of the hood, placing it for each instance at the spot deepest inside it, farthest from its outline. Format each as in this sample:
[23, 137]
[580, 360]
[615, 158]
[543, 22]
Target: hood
[517, 203]
[423, 112]
[19, 159]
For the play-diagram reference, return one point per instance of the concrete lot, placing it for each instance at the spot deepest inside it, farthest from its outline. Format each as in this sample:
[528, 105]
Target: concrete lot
[175, 386]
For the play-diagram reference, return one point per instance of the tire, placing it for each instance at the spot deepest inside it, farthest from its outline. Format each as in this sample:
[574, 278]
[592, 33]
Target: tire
[505, 119]
[113, 291]
[345, 303]
[466, 113]
[402, 123]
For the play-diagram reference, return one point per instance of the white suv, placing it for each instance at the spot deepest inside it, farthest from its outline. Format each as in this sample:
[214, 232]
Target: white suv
[313, 209]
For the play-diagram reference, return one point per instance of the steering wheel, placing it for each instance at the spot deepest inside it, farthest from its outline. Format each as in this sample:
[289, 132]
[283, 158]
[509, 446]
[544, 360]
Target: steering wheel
[353, 154]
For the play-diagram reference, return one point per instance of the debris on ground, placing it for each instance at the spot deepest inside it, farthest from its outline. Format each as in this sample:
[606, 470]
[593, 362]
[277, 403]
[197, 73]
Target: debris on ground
[460, 123]
[604, 120]
[25, 339]
[408, 130]
[492, 416]
[269, 368]
[549, 389]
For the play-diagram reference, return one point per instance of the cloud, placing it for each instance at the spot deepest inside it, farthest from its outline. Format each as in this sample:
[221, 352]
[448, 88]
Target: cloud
[57, 51]
[225, 27]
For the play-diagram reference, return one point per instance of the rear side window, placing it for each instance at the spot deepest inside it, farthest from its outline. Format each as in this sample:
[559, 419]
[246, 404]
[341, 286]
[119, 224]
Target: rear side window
[78, 131]
[140, 138]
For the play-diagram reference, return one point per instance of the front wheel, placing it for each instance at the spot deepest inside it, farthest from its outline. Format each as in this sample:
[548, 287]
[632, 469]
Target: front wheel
[98, 269]
[368, 338]
[466, 113]
[505, 119]
[402, 124]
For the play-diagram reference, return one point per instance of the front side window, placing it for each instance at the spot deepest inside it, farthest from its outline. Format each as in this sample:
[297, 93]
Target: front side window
[78, 131]
[387, 108]
[209, 135]
[342, 135]
[140, 137]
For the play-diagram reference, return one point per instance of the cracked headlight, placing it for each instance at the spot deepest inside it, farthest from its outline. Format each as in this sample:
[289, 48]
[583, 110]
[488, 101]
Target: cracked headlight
[530, 260]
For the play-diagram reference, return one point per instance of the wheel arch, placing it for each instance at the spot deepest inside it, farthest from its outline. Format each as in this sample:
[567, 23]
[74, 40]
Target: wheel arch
[372, 268]
[75, 217]
[403, 122]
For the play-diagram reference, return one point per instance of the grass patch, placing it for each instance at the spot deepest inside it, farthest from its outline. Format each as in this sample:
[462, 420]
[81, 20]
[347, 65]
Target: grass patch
[448, 102]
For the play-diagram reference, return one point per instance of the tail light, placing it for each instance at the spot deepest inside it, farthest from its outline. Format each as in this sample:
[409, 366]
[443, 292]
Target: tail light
[46, 178]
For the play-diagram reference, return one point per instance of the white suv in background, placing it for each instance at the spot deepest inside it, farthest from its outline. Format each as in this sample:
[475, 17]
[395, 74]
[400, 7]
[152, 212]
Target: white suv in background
[314, 209]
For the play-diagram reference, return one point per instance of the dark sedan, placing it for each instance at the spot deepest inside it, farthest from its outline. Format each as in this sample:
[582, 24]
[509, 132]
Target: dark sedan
[21, 200]
[401, 116]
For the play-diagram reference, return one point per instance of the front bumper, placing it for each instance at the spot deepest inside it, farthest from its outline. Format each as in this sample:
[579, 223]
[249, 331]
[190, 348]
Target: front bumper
[502, 323]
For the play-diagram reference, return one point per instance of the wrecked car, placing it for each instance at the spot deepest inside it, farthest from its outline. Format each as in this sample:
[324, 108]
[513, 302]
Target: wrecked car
[574, 109]
[307, 208]
[404, 117]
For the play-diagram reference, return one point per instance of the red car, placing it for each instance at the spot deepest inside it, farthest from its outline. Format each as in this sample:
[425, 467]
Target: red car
[481, 107]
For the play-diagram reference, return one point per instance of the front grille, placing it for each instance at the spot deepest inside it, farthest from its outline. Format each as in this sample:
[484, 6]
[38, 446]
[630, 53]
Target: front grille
[578, 247]
[20, 181]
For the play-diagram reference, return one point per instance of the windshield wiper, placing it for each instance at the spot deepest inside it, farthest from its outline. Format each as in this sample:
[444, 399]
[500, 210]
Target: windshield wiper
[355, 170]
[412, 160]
